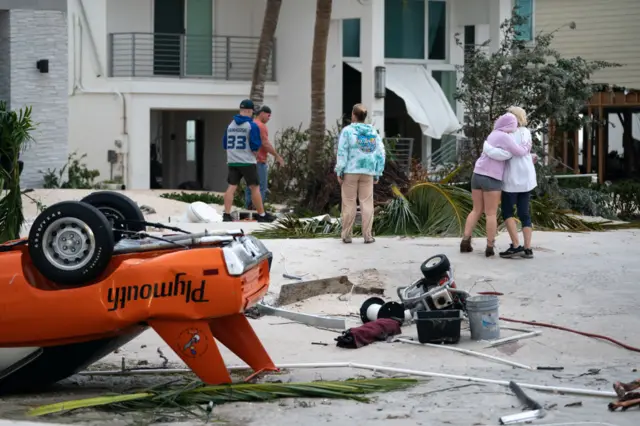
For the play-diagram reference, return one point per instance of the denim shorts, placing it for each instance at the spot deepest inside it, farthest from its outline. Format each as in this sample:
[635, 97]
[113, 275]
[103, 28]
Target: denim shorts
[485, 183]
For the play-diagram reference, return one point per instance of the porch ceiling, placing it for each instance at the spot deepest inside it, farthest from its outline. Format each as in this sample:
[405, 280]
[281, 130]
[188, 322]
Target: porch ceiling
[426, 103]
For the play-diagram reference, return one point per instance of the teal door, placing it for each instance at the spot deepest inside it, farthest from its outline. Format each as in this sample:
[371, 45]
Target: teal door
[199, 39]
[168, 27]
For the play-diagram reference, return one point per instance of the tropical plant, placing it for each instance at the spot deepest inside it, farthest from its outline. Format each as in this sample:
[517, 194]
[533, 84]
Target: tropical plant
[265, 50]
[15, 134]
[195, 395]
[78, 175]
[317, 126]
[534, 76]
[626, 199]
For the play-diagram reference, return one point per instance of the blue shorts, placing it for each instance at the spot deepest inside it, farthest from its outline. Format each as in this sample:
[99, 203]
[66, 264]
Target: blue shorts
[523, 209]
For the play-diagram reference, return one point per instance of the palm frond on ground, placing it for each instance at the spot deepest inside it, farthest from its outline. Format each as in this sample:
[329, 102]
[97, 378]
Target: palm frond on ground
[196, 395]
[291, 227]
[546, 216]
[397, 217]
[442, 209]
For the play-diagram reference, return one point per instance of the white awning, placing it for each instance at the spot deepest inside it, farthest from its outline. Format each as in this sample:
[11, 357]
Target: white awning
[426, 103]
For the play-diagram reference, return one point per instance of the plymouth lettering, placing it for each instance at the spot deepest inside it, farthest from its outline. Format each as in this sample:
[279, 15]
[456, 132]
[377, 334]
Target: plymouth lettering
[118, 297]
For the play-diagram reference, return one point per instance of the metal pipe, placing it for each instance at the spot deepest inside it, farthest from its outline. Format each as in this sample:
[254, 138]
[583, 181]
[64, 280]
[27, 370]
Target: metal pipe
[97, 63]
[374, 368]
[468, 352]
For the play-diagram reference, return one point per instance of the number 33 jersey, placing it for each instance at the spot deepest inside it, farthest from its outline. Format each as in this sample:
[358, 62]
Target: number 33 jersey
[242, 141]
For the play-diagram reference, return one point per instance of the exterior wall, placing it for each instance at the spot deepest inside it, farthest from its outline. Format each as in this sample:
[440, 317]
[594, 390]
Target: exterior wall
[5, 52]
[607, 31]
[35, 35]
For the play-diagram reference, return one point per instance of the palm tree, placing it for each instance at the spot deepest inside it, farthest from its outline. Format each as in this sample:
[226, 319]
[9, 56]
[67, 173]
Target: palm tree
[15, 133]
[265, 48]
[317, 125]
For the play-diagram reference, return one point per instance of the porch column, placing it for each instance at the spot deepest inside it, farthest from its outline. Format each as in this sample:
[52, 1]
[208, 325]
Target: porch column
[137, 147]
[372, 55]
[499, 10]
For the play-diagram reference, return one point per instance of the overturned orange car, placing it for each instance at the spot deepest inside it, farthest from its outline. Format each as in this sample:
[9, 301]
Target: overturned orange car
[89, 279]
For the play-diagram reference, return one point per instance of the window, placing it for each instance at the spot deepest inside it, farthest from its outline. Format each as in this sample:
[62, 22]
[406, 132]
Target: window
[190, 140]
[351, 38]
[525, 9]
[437, 30]
[469, 38]
[447, 82]
[404, 29]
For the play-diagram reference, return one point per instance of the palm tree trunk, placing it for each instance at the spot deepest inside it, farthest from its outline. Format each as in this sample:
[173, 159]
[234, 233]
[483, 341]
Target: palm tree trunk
[265, 48]
[317, 127]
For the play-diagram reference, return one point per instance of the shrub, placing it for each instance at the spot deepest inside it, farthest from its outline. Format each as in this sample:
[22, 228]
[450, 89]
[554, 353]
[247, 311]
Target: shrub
[78, 175]
[588, 202]
[626, 199]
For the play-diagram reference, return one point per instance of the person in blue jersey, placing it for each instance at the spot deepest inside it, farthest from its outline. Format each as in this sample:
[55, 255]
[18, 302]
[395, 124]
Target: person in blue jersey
[241, 142]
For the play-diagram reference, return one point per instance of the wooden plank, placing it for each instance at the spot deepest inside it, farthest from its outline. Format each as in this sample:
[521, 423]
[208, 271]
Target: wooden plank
[601, 153]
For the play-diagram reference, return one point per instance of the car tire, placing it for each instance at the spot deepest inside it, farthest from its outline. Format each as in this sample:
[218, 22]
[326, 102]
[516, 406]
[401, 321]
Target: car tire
[123, 213]
[71, 243]
[435, 268]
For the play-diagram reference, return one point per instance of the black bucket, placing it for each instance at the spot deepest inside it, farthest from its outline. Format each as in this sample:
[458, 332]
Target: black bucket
[442, 326]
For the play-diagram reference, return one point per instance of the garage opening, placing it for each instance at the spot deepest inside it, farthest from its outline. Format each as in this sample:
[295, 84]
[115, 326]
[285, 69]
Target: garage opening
[186, 149]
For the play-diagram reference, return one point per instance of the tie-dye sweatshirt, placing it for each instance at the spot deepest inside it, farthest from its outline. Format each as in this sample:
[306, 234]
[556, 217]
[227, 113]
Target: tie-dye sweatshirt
[360, 151]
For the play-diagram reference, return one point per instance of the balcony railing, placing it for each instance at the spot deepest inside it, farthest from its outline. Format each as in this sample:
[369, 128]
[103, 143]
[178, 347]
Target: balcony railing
[185, 56]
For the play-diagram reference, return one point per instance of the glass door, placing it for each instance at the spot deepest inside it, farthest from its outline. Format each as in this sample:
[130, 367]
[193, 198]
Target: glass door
[199, 39]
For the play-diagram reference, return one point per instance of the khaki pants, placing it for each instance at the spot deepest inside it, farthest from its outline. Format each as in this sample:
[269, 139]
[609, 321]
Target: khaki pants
[360, 186]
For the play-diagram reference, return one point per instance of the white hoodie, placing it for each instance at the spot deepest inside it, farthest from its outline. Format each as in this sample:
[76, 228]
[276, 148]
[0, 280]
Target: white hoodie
[519, 173]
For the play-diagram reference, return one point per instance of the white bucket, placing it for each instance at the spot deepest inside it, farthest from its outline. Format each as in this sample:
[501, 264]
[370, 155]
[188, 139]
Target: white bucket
[200, 212]
[483, 317]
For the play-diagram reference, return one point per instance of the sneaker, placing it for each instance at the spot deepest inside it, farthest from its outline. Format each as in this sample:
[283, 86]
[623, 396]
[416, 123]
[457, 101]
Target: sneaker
[268, 217]
[226, 217]
[512, 252]
[346, 240]
[370, 240]
[528, 254]
[465, 245]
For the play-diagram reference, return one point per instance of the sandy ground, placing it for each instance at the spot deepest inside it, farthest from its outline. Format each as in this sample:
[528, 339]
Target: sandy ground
[585, 281]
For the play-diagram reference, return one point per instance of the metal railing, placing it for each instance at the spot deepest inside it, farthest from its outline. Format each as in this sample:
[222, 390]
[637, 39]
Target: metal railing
[400, 150]
[179, 55]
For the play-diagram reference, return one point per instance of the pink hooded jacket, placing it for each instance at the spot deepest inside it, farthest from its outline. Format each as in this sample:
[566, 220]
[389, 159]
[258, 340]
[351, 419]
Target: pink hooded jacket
[501, 137]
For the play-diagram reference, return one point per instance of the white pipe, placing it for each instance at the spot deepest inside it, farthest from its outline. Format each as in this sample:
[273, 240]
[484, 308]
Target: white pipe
[374, 368]
[467, 352]
[513, 338]
[97, 65]
[78, 87]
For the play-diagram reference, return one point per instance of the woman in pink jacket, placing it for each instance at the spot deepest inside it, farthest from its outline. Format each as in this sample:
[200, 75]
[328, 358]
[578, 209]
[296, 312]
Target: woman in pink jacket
[486, 182]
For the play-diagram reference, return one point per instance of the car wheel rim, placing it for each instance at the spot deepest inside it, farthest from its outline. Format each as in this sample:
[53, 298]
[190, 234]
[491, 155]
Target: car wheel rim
[113, 216]
[69, 243]
[433, 262]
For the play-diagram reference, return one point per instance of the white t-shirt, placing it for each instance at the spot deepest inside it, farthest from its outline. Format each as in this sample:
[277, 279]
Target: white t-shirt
[519, 172]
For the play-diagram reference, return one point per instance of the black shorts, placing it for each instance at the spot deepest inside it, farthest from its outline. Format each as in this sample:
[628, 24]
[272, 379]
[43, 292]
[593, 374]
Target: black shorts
[248, 172]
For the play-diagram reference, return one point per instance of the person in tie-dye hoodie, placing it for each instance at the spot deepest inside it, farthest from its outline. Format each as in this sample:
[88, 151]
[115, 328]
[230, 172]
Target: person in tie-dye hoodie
[359, 165]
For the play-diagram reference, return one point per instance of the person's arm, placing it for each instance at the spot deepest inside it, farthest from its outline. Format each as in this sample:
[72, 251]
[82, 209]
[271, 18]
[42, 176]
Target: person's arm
[507, 143]
[343, 153]
[266, 144]
[255, 141]
[496, 153]
[381, 157]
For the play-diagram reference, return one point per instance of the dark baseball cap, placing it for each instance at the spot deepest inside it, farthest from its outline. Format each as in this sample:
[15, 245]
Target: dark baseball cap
[246, 104]
[265, 109]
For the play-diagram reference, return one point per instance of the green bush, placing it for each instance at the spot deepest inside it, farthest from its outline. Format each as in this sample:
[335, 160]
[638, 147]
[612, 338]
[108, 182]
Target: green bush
[78, 175]
[626, 199]
[588, 202]
[577, 182]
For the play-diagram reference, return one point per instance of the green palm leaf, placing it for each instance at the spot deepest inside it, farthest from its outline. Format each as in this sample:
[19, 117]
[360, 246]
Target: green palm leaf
[441, 209]
[196, 394]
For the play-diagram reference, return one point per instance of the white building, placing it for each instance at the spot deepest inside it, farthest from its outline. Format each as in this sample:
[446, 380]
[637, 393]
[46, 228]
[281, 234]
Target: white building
[170, 74]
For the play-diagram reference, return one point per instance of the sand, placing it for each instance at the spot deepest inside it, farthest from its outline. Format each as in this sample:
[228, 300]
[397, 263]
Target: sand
[585, 281]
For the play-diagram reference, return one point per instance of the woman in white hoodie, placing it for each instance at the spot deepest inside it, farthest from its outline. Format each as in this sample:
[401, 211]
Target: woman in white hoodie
[518, 180]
